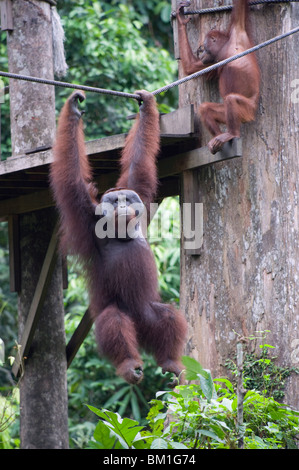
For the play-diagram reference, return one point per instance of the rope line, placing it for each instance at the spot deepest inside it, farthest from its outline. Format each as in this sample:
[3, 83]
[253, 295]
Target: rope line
[159, 90]
[229, 7]
[225, 61]
[45, 81]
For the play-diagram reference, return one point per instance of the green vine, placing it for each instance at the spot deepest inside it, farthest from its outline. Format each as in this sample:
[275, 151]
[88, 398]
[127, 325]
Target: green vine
[260, 371]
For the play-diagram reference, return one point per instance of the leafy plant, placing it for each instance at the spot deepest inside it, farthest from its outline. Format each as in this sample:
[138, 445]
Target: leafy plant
[201, 415]
[260, 372]
[8, 420]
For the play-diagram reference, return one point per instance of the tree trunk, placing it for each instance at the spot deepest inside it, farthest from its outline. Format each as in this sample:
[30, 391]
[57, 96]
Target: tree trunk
[246, 278]
[43, 387]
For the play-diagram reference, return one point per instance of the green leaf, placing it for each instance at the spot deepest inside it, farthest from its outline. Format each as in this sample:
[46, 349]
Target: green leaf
[135, 407]
[102, 435]
[116, 396]
[121, 410]
[207, 385]
[159, 443]
[226, 382]
[124, 429]
[143, 443]
[177, 445]
[211, 434]
[235, 404]
[193, 368]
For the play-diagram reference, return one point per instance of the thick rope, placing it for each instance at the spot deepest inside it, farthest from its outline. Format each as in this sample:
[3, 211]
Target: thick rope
[225, 61]
[229, 7]
[159, 90]
[44, 81]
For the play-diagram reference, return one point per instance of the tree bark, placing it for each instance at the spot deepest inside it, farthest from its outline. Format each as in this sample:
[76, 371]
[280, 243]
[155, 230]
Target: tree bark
[30, 52]
[43, 388]
[246, 278]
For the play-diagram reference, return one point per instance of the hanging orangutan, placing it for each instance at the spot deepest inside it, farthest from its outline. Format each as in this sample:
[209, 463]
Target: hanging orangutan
[239, 80]
[120, 268]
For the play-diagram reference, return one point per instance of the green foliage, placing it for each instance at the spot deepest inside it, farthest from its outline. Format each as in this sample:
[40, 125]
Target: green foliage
[119, 45]
[261, 373]
[126, 430]
[201, 415]
[106, 46]
[164, 238]
[9, 431]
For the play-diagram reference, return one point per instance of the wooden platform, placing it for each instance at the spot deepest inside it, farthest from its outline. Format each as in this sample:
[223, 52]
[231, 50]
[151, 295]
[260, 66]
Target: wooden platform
[24, 180]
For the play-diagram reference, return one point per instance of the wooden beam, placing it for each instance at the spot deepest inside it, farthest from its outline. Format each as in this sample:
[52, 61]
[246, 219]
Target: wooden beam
[78, 337]
[25, 162]
[166, 167]
[197, 158]
[178, 123]
[37, 301]
[14, 253]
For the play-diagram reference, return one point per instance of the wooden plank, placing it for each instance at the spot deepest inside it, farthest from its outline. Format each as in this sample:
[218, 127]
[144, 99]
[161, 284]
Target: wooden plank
[24, 162]
[198, 157]
[37, 301]
[105, 144]
[6, 15]
[78, 337]
[166, 167]
[14, 253]
[179, 122]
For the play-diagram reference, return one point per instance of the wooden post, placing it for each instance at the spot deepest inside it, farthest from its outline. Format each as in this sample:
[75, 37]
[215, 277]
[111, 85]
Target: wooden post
[6, 15]
[246, 278]
[43, 389]
[14, 253]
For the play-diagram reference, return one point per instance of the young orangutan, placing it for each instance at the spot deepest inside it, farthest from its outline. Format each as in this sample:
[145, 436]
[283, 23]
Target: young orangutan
[239, 81]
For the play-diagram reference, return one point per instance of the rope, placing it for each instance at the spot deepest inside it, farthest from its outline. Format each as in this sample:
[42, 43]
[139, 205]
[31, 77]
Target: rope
[229, 7]
[68, 85]
[159, 90]
[225, 61]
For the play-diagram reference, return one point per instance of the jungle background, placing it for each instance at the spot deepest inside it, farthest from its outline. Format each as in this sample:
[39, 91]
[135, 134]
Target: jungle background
[128, 45]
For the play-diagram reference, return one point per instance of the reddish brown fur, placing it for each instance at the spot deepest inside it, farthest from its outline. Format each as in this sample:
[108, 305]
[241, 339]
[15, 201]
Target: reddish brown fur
[238, 81]
[142, 146]
[122, 275]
